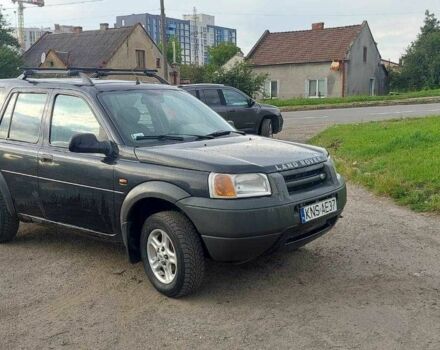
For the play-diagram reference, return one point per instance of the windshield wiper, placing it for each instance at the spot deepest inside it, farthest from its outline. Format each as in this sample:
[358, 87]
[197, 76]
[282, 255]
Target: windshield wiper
[225, 132]
[160, 137]
[176, 137]
[199, 137]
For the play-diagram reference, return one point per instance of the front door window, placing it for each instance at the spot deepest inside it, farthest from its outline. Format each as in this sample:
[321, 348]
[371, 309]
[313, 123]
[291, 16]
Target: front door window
[72, 115]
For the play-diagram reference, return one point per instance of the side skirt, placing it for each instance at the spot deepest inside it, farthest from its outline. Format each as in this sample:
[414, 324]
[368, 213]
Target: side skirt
[88, 232]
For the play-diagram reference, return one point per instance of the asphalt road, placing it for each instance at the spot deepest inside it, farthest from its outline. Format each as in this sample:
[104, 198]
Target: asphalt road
[301, 125]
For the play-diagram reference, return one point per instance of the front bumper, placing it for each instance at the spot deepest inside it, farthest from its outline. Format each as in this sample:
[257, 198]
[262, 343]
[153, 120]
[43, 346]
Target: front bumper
[241, 230]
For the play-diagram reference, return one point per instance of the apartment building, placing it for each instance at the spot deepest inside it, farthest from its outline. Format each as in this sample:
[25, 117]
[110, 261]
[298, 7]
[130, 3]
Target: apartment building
[195, 33]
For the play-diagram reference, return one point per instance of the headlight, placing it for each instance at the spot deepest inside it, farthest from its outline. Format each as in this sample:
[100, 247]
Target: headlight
[229, 186]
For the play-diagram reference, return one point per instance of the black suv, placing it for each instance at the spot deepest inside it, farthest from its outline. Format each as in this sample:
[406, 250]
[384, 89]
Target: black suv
[235, 106]
[151, 166]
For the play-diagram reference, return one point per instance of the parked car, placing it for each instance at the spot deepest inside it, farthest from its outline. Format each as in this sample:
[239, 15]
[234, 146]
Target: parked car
[235, 106]
[158, 170]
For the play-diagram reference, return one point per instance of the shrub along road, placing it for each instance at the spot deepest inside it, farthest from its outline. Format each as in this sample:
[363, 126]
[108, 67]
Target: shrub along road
[372, 283]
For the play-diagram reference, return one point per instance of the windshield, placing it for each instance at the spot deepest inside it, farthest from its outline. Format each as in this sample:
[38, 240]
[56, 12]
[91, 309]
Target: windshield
[161, 115]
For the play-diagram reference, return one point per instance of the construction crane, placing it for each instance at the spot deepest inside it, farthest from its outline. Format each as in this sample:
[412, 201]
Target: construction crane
[20, 17]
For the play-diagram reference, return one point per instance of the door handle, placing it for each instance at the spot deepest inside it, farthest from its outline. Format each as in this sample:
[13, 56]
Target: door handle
[46, 158]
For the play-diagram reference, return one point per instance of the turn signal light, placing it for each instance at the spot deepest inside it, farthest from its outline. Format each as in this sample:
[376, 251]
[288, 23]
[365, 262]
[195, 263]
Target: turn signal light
[224, 186]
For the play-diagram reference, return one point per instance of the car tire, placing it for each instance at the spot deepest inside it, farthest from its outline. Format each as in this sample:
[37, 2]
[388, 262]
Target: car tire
[266, 129]
[178, 274]
[8, 223]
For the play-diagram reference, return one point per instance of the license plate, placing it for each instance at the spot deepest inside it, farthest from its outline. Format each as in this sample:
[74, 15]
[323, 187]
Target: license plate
[317, 210]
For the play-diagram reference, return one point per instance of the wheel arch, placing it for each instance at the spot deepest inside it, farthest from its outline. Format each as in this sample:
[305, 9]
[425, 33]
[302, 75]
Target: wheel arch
[6, 194]
[142, 201]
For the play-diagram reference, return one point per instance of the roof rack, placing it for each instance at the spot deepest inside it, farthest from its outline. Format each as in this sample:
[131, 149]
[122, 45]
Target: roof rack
[94, 72]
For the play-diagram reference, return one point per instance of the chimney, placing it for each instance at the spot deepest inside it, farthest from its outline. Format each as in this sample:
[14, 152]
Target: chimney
[103, 26]
[318, 26]
[77, 30]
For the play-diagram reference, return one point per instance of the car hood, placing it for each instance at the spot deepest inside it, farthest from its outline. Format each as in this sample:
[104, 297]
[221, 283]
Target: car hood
[268, 107]
[240, 154]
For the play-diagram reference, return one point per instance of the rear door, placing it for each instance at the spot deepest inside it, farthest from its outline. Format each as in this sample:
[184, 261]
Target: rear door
[76, 189]
[214, 99]
[245, 117]
[20, 141]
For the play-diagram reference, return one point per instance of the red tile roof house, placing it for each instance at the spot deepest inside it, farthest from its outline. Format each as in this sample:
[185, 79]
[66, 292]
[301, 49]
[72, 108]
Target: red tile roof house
[321, 62]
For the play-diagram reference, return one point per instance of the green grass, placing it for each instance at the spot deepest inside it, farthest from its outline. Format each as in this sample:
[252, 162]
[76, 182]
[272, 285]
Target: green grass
[398, 158]
[300, 102]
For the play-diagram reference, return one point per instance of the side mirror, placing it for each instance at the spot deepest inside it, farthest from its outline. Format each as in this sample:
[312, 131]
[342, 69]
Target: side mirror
[88, 143]
[251, 102]
[230, 122]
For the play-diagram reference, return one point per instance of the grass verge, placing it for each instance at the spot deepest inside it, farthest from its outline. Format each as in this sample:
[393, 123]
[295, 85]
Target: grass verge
[399, 158]
[355, 101]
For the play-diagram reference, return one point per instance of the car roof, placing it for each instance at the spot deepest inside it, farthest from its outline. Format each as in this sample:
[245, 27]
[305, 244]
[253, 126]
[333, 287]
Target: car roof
[201, 85]
[98, 84]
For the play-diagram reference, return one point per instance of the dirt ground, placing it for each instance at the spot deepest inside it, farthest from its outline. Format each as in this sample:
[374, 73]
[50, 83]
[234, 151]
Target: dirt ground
[372, 283]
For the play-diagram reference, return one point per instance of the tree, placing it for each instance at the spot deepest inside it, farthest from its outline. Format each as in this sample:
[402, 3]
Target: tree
[222, 53]
[170, 49]
[421, 62]
[194, 73]
[10, 59]
[242, 77]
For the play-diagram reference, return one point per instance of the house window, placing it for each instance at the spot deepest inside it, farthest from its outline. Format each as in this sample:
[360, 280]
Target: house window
[271, 88]
[274, 88]
[157, 62]
[365, 54]
[316, 88]
[372, 87]
[140, 59]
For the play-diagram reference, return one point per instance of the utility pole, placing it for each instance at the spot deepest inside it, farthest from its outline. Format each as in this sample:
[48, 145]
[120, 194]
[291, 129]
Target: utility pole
[163, 33]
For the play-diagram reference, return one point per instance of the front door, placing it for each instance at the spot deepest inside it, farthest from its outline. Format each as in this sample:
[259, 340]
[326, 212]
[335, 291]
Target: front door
[20, 140]
[244, 116]
[75, 189]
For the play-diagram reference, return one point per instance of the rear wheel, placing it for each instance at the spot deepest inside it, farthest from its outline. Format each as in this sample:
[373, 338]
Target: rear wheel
[266, 128]
[172, 254]
[8, 223]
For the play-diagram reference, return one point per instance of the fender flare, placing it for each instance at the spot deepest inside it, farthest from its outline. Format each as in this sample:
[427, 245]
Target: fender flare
[152, 189]
[6, 194]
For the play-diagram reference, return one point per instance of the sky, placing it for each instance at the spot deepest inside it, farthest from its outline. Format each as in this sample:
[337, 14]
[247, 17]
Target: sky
[394, 23]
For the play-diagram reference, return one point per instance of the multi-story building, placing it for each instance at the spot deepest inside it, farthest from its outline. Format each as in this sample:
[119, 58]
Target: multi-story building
[195, 33]
[205, 34]
[31, 35]
[177, 28]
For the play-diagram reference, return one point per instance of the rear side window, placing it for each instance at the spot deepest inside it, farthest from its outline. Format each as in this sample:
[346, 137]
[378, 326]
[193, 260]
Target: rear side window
[4, 125]
[192, 92]
[211, 97]
[26, 119]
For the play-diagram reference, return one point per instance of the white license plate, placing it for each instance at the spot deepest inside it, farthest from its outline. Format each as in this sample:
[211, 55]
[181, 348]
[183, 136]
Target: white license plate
[317, 210]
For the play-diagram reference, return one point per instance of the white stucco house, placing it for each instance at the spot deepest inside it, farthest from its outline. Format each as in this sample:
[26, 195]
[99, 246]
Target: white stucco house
[320, 62]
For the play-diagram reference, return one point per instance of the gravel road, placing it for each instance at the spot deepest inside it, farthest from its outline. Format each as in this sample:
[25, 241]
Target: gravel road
[372, 283]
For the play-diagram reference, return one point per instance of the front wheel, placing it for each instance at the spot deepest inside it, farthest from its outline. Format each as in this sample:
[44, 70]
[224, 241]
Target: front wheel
[172, 254]
[8, 223]
[266, 128]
